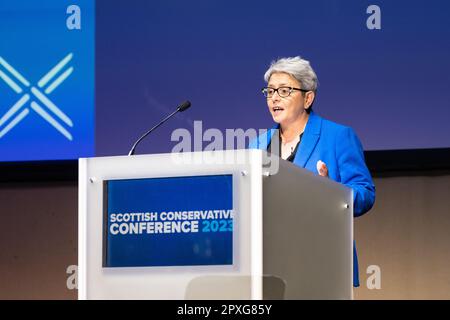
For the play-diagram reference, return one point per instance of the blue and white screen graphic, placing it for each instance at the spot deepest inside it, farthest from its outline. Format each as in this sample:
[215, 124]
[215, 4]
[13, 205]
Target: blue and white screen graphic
[178, 221]
[46, 79]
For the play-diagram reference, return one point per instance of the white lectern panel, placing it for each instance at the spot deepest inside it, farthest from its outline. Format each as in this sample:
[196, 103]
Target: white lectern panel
[170, 282]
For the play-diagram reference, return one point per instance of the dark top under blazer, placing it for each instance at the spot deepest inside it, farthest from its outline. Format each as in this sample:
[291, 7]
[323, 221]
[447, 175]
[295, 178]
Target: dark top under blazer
[340, 149]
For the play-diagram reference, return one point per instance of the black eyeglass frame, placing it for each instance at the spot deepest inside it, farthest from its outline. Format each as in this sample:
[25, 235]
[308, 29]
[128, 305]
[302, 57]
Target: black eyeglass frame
[265, 93]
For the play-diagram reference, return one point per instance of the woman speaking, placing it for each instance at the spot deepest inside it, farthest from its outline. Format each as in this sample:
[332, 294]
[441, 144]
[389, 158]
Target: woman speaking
[309, 141]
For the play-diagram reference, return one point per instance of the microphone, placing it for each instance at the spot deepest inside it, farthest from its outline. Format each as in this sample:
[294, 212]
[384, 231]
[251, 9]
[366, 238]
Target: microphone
[182, 107]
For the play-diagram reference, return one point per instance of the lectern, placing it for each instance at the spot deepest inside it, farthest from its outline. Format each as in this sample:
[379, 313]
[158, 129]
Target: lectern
[233, 224]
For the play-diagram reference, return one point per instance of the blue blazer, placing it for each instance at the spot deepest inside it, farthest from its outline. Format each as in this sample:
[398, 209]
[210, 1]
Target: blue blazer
[340, 149]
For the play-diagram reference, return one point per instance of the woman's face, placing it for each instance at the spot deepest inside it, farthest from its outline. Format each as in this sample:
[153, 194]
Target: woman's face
[285, 110]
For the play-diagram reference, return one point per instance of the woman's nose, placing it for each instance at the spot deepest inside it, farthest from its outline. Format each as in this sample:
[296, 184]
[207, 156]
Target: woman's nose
[275, 96]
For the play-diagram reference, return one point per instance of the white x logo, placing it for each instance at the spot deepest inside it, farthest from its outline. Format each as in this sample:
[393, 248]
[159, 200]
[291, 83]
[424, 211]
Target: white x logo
[18, 112]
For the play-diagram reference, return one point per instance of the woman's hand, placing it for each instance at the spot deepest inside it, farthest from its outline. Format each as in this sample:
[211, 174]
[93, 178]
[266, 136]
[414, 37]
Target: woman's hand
[322, 168]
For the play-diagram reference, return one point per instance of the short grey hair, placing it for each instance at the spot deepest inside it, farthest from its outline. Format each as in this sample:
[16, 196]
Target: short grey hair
[297, 67]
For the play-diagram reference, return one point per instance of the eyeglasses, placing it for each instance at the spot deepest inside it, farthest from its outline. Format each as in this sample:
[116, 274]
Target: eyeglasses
[282, 91]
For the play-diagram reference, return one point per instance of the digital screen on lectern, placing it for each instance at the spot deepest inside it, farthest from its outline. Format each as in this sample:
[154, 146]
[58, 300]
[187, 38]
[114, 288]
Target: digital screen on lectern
[175, 221]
